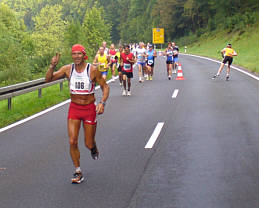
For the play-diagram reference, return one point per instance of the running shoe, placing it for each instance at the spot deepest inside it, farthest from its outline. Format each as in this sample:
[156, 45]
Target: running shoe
[124, 92]
[77, 178]
[227, 78]
[151, 78]
[140, 80]
[174, 71]
[215, 76]
[129, 93]
[169, 77]
[147, 77]
[120, 83]
[95, 153]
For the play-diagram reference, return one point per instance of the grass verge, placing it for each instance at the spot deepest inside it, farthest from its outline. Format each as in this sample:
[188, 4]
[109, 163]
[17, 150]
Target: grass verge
[245, 44]
[28, 104]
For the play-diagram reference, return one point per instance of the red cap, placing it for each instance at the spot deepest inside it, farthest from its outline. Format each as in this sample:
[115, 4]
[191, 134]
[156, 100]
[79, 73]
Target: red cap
[78, 47]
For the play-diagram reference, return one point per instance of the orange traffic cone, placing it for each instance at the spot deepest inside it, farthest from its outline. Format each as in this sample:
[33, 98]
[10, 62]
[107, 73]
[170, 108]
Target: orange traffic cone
[179, 73]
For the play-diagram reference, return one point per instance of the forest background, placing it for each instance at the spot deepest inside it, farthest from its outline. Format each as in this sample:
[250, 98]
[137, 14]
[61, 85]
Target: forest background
[32, 31]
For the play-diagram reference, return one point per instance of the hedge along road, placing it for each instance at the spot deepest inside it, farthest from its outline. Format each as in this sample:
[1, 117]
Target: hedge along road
[201, 138]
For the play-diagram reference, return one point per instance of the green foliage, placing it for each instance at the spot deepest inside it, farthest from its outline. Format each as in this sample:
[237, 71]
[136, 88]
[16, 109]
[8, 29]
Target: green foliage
[239, 22]
[32, 31]
[13, 40]
[49, 30]
[95, 30]
[48, 36]
[136, 24]
[212, 24]
[246, 45]
[75, 9]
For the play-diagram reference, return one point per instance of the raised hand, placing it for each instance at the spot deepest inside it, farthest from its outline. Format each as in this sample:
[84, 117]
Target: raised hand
[55, 60]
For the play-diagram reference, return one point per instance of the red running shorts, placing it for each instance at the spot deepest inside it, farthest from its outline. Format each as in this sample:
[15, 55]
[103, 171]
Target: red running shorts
[86, 113]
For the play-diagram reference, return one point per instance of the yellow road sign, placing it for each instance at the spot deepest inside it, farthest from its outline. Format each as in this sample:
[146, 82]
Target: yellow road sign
[158, 35]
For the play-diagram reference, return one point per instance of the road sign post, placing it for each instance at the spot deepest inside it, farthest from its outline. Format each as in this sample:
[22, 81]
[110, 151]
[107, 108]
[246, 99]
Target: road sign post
[158, 36]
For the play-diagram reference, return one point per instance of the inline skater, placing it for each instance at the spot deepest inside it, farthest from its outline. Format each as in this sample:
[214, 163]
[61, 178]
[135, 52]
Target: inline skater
[227, 54]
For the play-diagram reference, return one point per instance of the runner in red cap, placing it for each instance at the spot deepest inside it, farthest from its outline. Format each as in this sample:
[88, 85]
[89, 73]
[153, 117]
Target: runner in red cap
[83, 77]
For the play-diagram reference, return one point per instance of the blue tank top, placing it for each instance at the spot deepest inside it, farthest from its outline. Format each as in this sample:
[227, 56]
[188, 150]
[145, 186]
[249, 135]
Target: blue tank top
[150, 55]
[169, 55]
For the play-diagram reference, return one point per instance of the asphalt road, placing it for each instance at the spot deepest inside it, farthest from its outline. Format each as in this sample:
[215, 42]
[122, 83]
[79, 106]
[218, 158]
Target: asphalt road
[206, 155]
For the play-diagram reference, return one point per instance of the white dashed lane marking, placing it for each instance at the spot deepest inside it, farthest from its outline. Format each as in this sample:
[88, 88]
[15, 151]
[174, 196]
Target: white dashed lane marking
[175, 93]
[154, 136]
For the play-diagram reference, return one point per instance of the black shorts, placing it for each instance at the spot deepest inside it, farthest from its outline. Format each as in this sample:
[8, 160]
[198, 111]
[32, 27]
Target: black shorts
[227, 59]
[169, 62]
[128, 74]
[119, 68]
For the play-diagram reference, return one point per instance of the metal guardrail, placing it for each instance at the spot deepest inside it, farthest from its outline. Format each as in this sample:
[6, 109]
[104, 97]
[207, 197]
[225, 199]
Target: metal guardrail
[19, 89]
[21, 85]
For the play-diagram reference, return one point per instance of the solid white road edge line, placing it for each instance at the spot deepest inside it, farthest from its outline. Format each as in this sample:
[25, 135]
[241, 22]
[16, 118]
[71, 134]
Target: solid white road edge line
[43, 112]
[175, 93]
[154, 136]
[240, 70]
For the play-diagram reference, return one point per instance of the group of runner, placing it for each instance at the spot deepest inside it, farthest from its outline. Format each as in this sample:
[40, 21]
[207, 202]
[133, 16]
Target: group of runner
[83, 77]
[145, 60]
[144, 57]
[124, 60]
[172, 62]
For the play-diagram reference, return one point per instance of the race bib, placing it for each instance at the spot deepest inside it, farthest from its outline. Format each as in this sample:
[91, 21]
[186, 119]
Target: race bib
[140, 57]
[169, 53]
[127, 67]
[101, 66]
[150, 62]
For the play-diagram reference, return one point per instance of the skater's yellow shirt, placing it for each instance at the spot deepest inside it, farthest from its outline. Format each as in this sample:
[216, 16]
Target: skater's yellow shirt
[229, 52]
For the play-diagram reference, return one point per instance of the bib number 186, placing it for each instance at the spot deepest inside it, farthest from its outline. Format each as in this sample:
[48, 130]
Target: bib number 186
[79, 85]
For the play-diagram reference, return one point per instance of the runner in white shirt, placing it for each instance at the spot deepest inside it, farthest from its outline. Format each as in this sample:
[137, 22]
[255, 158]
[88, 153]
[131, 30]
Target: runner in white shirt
[106, 50]
[141, 61]
[134, 51]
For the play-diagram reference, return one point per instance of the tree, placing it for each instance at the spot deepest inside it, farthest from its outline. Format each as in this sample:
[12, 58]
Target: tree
[14, 65]
[95, 30]
[49, 34]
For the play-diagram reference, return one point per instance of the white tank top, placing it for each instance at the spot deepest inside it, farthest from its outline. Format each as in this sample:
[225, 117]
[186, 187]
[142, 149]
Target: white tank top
[141, 55]
[80, 83]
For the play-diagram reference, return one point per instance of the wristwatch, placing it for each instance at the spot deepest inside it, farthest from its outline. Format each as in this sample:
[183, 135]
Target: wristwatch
[102, 103]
